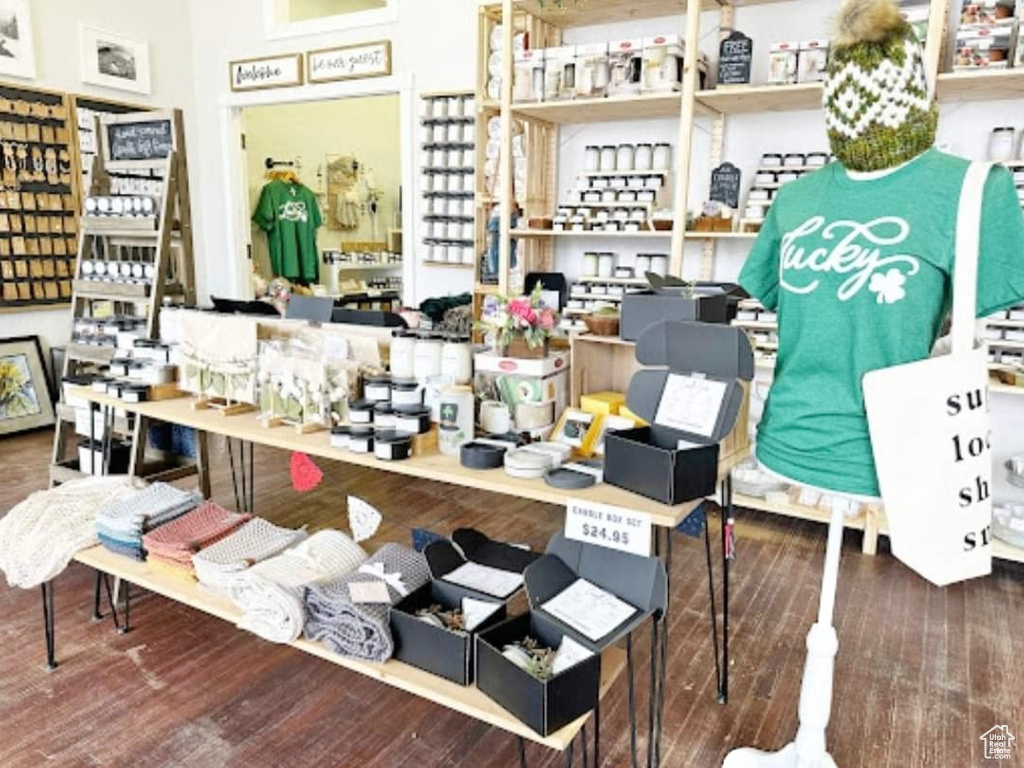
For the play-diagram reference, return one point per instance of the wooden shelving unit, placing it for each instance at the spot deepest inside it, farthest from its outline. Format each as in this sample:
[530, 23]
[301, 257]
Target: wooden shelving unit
[981, 86]
[644, 235]
[641, 107]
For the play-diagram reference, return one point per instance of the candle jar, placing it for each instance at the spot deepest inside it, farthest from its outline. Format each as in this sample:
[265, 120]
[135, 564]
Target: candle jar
[662, 157]
[608, 157]
[427, 357]
[457, 359]
[605, 265]
[1001, 144]
[643, 160]
[592, 159]
[625, 157]
[590, 265]
[403, 350]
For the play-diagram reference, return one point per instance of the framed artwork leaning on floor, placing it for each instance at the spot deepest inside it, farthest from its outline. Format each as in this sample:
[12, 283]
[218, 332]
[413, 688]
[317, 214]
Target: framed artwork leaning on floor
[25, 401]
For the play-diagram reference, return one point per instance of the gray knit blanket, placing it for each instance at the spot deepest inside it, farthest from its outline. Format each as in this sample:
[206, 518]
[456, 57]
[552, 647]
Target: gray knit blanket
[362, 630]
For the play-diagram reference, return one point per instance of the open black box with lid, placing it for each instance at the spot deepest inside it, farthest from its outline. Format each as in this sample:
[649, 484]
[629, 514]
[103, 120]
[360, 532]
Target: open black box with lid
[690, 396]
[704, 302]
[441, 651]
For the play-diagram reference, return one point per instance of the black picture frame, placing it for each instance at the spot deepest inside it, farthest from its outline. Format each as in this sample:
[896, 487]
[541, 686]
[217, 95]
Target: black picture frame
[27, 405]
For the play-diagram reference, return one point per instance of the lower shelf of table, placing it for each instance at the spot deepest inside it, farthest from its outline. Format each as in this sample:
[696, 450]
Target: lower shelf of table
[467, 700]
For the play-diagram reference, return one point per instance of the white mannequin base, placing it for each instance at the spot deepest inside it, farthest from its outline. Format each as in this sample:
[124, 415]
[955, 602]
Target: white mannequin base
[808, 751]
[786, 758]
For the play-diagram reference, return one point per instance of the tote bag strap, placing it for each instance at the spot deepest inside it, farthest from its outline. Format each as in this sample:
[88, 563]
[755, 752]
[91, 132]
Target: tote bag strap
[965, 268]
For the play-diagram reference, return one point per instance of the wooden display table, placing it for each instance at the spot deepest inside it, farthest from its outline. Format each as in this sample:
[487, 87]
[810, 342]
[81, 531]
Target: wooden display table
[467, 700]
[440, 468]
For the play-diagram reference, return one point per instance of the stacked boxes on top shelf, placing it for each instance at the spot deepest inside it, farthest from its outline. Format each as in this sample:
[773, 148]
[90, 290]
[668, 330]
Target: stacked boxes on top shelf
[449, 182]
[599, 70]
[987, 37]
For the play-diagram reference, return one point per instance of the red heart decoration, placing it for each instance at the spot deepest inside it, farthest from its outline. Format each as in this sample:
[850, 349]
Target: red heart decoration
[306, 475]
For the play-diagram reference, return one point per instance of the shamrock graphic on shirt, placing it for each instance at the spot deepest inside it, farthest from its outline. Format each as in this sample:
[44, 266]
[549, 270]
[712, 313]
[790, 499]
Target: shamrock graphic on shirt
[888, 287]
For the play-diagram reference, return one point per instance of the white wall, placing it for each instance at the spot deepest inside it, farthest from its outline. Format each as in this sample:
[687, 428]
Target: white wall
[55, 22]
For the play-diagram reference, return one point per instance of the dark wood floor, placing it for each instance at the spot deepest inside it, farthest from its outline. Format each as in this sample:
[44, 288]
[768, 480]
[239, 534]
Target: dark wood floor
[922, 672]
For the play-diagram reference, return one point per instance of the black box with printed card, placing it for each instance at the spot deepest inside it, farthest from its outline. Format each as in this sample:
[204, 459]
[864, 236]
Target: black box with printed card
[691, 395]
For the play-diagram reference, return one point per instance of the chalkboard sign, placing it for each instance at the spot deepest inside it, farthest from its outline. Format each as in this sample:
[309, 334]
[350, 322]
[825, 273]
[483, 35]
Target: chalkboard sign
[735, 54]
[725, 185]
[138, 140]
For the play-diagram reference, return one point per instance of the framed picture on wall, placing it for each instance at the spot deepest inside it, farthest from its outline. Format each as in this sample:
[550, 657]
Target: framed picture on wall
[113, 61]
[25, 401]
[17, 52]
[297, 18]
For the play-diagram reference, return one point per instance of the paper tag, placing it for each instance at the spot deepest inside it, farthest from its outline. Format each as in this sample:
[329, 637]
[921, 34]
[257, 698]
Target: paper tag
[475, 612]
[691, 404]
[569, 654]
[369, 592]
[608, 526]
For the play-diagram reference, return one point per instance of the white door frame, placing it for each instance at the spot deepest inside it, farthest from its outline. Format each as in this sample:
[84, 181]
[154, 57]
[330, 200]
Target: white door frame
[237, 196]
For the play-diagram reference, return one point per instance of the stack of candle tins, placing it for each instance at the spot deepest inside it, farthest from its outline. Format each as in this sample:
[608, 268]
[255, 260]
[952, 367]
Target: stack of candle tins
[385, 421]
[121, 525]
[170, 547]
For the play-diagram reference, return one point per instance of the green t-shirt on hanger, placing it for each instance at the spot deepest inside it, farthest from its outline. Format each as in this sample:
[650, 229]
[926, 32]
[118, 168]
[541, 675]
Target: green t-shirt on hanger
[860, 275]
[290, 215]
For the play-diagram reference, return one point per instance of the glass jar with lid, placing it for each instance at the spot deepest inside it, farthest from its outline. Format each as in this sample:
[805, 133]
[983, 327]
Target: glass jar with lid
[457, 359]
[662, 157]
[427, 356]
[608, 158]
[403, 351]
[592, 159]
[625, 157]
[643, 160]
[1001, 144]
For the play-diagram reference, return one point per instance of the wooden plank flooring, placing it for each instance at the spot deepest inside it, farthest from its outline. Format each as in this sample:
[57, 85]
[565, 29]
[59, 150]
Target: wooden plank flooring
[922, 672]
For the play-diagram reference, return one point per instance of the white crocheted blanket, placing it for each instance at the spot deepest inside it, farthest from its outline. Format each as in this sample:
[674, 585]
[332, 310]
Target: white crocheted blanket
[270, 593]
[218, 565]
[40, 535]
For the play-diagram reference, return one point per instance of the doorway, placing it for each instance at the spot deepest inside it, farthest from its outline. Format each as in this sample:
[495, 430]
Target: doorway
[347, 153]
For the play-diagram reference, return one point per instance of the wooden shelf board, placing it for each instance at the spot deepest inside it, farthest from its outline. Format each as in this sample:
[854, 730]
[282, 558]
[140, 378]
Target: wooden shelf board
[466, 700]
[573, 14]
[642, 107]
[601, 174]
[637, 282]
[485, 290]
[110, 291]
[1004, 344]
[761, 98]
[720, 235]
[436, 467]
[756, 325]
[793, 510]
[996, 322]
[615, 341]
[982, 85]
[650, 233]
[447, 265]
[364, 267]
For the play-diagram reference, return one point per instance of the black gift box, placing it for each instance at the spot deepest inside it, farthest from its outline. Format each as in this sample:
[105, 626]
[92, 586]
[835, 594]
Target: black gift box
[647, 460]
[468, 545]
[438, 651]
[646, 308]
[547, 705]
[639, 581]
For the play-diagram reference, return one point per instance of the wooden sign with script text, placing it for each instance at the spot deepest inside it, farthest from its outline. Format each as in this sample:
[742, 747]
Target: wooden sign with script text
[268, 72]
[350, 62]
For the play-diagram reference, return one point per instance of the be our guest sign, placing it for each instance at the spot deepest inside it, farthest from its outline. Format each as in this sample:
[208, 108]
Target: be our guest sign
[349, 62]
[269, 72]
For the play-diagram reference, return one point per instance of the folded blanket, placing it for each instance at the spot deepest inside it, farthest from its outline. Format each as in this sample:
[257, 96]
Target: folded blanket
[121, 525]
[168, 568]
[178, 540]
[218, 565]
[40, 535]
[271, 593]
[362, 630]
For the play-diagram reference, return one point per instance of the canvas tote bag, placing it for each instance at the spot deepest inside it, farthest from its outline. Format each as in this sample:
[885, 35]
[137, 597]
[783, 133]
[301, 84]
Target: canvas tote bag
[929, 425]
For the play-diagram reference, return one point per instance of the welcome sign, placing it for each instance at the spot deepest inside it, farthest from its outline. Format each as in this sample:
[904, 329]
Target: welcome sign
[350, 62]
[270, 72]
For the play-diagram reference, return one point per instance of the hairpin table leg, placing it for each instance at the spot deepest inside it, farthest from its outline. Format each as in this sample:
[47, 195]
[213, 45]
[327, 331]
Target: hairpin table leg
[597, 734]
[127, 626]
[251, 509]
[663, 662]
[48, 626]
[96, 614]
[631, 700]
[568, 755]
[521, 744]
[111, 601]
[714, 609]
[727, 516]
[583, 741]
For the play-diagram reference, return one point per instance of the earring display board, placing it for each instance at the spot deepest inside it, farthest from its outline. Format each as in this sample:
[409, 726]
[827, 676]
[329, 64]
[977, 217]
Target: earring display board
[85, 111]
[38, 198]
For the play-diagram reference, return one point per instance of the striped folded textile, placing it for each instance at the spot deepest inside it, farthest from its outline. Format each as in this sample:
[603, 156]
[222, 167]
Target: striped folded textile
[362, 630]
[120, 526]
[270, 594]
[218, 565]
[175, 543]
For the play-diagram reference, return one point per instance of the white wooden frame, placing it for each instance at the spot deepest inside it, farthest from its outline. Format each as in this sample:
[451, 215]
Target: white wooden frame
[277, 26]
[234, 168]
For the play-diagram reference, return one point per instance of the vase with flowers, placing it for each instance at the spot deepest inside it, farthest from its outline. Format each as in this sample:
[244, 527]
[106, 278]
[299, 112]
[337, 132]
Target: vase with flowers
[522, 326]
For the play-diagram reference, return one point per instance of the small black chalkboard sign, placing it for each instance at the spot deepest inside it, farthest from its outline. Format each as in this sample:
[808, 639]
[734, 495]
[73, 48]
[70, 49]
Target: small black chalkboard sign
[141, 141]
[735, 55]
[725, 185]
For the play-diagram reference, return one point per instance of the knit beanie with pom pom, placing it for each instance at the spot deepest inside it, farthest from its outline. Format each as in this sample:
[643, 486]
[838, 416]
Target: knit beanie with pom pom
[878, 110]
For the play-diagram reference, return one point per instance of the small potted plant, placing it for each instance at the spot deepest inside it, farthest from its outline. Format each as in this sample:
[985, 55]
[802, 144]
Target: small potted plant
[522, 326]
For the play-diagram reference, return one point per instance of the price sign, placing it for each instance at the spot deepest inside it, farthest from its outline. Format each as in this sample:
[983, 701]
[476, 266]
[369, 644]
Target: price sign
[607, 526]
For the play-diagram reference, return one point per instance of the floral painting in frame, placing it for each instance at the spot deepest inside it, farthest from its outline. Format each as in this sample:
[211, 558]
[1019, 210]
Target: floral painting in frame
[25, 401]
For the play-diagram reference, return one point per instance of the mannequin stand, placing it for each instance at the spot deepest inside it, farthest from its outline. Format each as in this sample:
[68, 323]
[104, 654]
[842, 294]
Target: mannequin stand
[808, 750]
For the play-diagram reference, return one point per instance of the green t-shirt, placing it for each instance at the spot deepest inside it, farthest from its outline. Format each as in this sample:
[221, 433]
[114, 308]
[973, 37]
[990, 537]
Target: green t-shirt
[290, 215]
[860, 275]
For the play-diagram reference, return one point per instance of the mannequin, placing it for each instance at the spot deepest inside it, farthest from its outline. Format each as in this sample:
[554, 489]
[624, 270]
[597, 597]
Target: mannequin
[857, 260]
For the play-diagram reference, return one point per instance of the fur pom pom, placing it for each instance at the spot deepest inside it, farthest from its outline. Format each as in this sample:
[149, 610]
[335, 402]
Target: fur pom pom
[866, 21]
